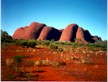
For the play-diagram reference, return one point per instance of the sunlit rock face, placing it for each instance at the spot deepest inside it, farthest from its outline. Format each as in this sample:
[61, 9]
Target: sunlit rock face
[29, 32]
[39, 31]
[18, 34]
[80, 36]
[69, 33]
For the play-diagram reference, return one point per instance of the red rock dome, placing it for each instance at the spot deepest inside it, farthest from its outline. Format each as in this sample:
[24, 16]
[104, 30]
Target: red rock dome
[18, 34]
[80, 36]
[69, 33]
[34, 30]
[29, 32]
[33, 24]
[49, 33]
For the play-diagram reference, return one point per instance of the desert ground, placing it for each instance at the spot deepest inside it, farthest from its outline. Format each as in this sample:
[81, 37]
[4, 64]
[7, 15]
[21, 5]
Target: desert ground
[53, 61]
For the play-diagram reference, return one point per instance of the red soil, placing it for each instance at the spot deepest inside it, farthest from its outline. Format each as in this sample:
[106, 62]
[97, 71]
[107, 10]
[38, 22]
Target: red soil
[74, 70]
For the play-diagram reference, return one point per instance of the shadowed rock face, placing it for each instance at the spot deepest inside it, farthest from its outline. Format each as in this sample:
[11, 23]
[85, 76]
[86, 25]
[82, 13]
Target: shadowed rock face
[29, 32]
[80, 36]
[88, 36]
[42, 32]
[69, 33]
[61, 30]
[49, 33]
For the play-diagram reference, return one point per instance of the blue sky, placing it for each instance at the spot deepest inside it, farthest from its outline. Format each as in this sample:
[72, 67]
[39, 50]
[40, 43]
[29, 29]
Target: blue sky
[88, 14]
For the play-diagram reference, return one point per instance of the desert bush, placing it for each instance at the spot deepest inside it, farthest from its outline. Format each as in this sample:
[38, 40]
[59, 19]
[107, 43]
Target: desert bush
[66, 43]
[104, 45]
[37, 42]
[21, 42]
[104, 48]
[53, 46]
[10, 77]
[28, 43]
[101, 44]
[14, 63]
[18, 60]
[79, 44]
[4, 45]
[17, 42]
[31, 43]
[46, 42]
[5, 37]
[57, 42]
[89, 44]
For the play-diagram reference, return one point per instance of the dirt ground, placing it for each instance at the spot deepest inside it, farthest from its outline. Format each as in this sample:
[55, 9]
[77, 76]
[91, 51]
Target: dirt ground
[79, 66]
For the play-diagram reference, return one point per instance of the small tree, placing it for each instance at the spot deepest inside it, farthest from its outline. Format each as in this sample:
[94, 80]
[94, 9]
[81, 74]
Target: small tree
[5, 37]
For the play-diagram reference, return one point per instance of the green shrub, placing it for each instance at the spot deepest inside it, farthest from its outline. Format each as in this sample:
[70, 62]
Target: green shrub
[18, 59]
[28, 43]
[101, 44]
[5, 37]
[66, 43]
[46, 42]
[4, 45]
[21, 42]
[53, 46]
[17, 42]
[37, 42]
[104, 48]
[31, 43]
[10, 77]
[57, 42]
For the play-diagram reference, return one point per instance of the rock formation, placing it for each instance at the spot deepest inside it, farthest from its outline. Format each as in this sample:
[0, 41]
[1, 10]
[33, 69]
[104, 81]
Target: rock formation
[95, 38]
[69, 33]
[29, 32]
[40, 31]
[49, 33]
[80, 36]
[88, 36]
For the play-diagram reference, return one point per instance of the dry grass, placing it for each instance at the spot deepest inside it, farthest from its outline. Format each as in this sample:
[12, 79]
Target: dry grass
[48, 63]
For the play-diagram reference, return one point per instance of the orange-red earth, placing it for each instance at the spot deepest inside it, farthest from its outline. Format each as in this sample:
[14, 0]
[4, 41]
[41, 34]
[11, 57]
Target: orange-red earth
[90, 66]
